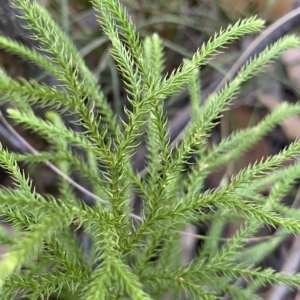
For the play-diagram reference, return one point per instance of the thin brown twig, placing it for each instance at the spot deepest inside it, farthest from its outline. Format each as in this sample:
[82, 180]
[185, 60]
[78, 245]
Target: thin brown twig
[267, 37]
[32, 150]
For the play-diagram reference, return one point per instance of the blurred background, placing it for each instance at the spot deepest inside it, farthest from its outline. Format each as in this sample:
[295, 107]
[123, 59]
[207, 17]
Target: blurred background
[183, 26]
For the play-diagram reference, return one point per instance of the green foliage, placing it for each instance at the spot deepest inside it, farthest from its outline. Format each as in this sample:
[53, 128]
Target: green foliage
[136, 257]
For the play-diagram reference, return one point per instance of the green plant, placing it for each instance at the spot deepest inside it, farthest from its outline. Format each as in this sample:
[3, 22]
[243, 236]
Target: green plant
[136, 257]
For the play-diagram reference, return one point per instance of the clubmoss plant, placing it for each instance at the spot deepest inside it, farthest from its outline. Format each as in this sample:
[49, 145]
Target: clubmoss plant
[136, 256]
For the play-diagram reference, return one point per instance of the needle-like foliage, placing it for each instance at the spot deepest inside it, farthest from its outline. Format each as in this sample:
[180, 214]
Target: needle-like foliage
[136, 256]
